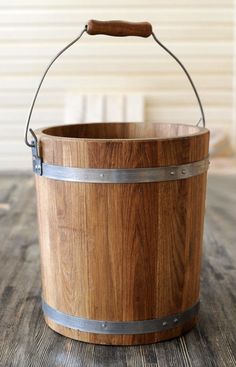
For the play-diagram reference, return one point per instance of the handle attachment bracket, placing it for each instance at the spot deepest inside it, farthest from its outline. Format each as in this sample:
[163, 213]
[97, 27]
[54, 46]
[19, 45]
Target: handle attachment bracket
[36, 159]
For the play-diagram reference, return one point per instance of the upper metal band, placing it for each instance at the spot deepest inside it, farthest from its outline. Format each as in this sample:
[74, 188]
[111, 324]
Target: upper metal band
[119, 327]
[123, 175]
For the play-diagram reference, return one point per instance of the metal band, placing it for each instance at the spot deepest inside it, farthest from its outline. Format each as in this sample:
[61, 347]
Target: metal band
[121, 175]
[119, 327]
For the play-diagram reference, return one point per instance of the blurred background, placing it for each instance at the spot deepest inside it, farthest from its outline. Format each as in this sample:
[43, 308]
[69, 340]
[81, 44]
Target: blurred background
[103, 78]
[117, 79]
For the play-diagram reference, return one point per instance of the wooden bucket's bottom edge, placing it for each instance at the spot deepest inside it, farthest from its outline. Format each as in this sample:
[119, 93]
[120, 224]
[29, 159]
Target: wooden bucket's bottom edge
[131, 339]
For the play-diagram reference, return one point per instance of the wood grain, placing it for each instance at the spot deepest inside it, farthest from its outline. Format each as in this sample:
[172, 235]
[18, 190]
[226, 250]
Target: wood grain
[119, 28]
[121, 252]
[26, 341]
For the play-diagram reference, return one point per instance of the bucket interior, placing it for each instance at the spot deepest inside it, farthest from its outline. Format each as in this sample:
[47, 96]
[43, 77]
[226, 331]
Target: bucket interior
[123, 131]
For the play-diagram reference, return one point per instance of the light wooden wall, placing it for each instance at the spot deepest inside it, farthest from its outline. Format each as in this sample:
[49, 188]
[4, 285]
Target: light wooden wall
[200, 32]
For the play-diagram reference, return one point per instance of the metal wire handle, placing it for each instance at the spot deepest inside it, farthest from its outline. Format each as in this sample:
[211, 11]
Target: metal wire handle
[33, 144]
[188, 76]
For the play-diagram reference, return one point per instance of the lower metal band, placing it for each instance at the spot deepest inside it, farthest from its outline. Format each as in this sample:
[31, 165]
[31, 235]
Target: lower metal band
[122, 175]
[119, 327]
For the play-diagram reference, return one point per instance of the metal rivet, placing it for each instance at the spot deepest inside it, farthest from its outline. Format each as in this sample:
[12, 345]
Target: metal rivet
[176, 320]
[101, 174]
[104, 325]
[164, 323]
[172, 173]
[183, 171]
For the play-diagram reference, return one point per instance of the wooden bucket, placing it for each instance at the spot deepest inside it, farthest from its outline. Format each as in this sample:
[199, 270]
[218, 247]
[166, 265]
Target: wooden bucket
[121, 212]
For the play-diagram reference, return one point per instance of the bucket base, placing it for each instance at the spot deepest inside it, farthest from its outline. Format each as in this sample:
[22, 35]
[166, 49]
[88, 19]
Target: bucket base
[122, 339]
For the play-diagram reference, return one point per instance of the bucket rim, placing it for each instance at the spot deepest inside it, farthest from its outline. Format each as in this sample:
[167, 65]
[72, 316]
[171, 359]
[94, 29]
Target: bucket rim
[42, 132]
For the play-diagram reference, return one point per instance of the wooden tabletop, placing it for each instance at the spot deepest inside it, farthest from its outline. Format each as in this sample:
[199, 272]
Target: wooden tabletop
[25, 340]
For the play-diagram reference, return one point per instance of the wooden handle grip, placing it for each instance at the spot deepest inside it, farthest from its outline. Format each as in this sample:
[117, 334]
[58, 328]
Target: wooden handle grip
[119, 28]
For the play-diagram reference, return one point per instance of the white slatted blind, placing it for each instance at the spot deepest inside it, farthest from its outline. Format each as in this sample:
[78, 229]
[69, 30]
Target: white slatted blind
[200, 32]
